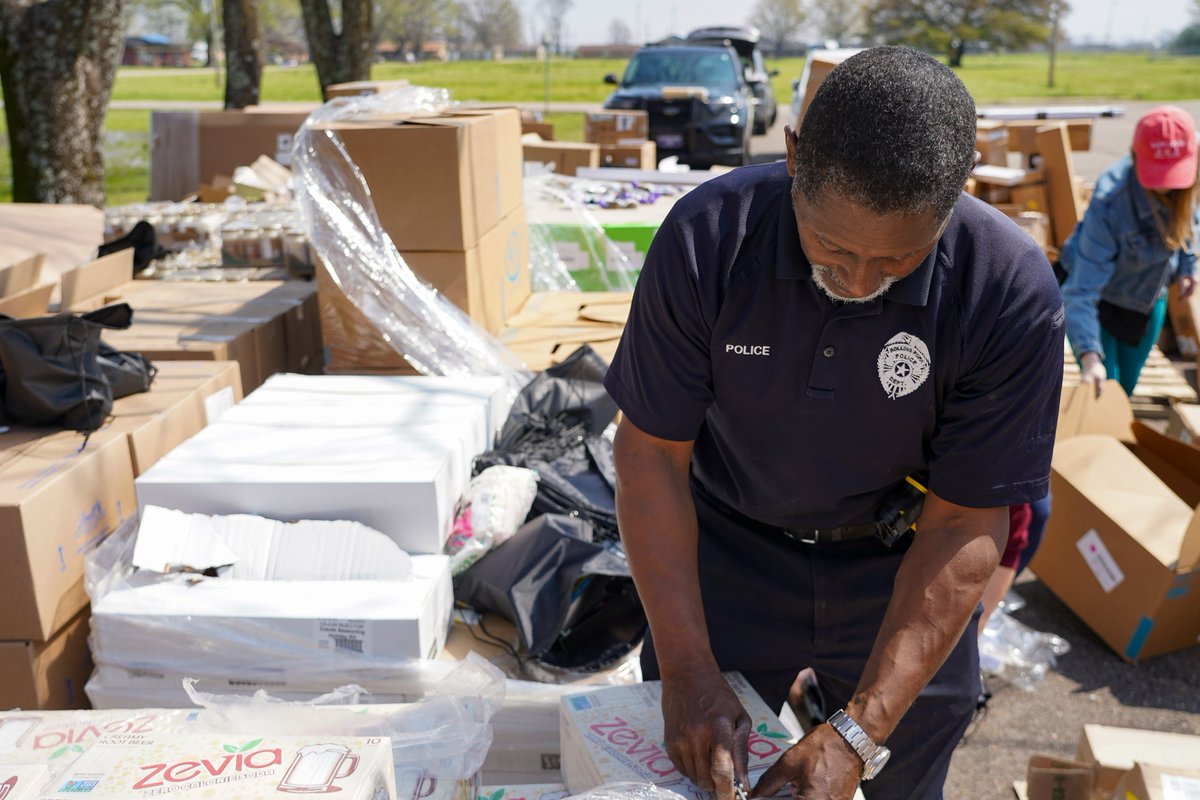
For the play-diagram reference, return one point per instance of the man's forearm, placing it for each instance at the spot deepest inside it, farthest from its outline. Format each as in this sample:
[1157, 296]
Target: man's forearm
[657, 518]
[940, 581]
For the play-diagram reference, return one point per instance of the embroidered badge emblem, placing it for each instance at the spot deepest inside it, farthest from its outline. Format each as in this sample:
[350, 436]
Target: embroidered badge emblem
[904, 364]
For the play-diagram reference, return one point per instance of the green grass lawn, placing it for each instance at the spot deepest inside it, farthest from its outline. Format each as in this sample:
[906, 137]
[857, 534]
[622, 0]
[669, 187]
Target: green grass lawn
[991, 79]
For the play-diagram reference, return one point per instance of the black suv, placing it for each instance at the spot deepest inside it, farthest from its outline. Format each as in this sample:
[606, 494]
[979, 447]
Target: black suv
[698, 99]
[745, 42]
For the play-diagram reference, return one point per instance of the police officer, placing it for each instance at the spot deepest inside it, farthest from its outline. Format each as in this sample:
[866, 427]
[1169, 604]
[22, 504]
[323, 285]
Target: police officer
[805, 336]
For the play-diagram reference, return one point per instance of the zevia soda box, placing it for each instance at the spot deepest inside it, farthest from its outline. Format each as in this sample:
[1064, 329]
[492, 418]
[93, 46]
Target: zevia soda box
[231, 767]
[616, 734]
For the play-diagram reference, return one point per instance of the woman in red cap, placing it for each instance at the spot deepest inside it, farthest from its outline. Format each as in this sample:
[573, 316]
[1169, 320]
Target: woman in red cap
[1137, 237]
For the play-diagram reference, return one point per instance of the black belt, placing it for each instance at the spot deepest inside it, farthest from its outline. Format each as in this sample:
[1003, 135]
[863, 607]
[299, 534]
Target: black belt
[846, 533]
[827, 535]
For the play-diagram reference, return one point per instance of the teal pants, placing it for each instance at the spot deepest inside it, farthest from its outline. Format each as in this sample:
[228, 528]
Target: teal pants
[1124, 362]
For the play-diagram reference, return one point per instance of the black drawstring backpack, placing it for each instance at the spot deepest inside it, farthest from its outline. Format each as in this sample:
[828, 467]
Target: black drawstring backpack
[52, 371]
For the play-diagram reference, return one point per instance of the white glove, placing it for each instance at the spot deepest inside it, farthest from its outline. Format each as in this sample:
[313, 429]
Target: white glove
[1093, 372]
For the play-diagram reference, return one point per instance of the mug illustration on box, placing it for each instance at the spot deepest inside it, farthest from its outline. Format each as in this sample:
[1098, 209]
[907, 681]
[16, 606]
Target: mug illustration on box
[316, 767]
[7, 787]
[414, 783]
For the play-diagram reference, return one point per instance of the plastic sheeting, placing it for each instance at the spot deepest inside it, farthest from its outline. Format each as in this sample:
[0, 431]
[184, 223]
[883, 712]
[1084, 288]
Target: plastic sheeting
[1016, 653]
[446, 736]
[547, 268]
[429, 331]
[226, 653]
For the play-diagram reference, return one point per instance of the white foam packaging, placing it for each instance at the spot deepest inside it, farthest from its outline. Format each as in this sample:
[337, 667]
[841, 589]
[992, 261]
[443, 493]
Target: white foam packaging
[393, 453]
[246, 766]
[311, 600]
[22, 781]
[615, 735]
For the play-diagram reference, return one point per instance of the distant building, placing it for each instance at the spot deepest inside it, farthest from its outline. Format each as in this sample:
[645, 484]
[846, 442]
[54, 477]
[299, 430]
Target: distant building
[606, 50]
[151, 50]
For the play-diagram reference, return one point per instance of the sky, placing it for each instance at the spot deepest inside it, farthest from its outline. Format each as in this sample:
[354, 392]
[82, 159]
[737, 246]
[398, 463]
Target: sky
[1094, 21]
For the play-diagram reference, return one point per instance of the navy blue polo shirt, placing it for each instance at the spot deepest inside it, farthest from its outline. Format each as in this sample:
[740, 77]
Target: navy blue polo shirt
[806, 412]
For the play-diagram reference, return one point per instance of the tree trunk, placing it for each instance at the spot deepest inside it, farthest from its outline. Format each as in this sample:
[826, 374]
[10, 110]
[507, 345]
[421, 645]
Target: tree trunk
[243, 54]
[58, 61]
[957, 48]
[210, 53]
[340, 57]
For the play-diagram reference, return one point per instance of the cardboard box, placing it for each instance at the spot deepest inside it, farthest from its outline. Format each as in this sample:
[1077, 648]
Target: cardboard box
[1030, 197]
[443, 182]
[1152, 782]
[1036, 224]
[250, 766]
[991, 140]
[615, 734]
[58, 500]
[552, 325]
[353, 343]
[565, 157]
[1113, 751]
[402, 484]
[363, 88]
[50, 675]
[188, 148]
[1183, 422]
[66, 235]
[85, 288]
[26, 303]
[1050, 778]
[21, 275]
[491, 280]
[544, 130]
[643, 156]
[1065, 207]
[185, 397]
[818, 67]
[1122, 548]
[37, 737]
[1022, 134]
[21, 782]
[616, 127]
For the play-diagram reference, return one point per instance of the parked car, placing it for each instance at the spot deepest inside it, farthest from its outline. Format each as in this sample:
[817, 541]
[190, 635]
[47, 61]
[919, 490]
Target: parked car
[834, 55]
[745, 42]
[698, 100]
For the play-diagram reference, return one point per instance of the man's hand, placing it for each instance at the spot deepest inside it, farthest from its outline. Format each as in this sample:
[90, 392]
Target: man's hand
[822, 766]
[1093, 372]
[707, 730]
[1187, 285]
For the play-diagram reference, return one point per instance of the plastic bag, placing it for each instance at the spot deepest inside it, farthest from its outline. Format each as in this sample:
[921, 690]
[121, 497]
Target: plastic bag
[626, 791]
[1016, 653]
[430, 332]
[447, 735]
[493, 507]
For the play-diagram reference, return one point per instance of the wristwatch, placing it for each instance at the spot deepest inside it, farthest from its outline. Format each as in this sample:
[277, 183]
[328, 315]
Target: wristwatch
[874, 756]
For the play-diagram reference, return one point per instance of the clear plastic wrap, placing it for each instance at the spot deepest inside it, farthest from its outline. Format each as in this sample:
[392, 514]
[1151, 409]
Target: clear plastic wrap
[1016, 653]
[446, 736]
[548, 193]
[149, 654]
[626, 791]
[430, 332]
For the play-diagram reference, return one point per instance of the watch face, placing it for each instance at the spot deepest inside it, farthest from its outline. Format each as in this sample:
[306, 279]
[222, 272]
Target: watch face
[875, 763]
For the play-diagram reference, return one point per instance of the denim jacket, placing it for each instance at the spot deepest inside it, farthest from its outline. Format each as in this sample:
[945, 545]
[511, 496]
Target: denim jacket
[1116, 254]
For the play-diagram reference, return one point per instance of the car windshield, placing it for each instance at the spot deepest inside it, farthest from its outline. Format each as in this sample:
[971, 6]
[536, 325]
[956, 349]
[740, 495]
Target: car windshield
[667, 67]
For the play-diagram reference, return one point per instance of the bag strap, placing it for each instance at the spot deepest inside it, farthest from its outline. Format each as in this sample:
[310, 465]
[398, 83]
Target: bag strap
[118, 316]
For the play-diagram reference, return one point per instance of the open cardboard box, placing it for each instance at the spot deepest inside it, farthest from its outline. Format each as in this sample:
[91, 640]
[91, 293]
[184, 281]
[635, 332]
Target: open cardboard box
[1122, 548]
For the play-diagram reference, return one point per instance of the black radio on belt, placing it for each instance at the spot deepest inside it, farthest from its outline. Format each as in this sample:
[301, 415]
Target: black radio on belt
[898, 513]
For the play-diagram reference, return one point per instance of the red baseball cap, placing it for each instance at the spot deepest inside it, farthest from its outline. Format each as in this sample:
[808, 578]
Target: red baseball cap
[1164, 148]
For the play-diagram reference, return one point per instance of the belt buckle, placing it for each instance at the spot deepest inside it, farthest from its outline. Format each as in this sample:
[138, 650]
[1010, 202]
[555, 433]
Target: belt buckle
[808, 536]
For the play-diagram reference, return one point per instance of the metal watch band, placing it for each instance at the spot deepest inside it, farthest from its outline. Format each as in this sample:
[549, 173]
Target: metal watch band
[854, 735]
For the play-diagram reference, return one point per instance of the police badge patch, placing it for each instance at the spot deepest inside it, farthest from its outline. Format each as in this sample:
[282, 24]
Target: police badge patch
[904, 364]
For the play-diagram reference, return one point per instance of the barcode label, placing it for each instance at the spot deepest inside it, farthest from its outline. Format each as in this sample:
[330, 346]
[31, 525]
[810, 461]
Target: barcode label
[344, 635]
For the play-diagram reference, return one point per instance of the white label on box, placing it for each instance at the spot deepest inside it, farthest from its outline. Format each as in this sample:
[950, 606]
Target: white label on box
[1100, 561]
[344, 635]
[633, 261]
[218, 403]
[573, 256]
[624, 122]
[1178, 787]
[283, 149]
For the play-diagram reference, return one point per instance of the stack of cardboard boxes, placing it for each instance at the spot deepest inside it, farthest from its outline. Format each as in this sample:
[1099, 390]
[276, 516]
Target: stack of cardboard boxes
[624, 138]
[448, 193]
[59, 497]
[266, 326]
[23, 293]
